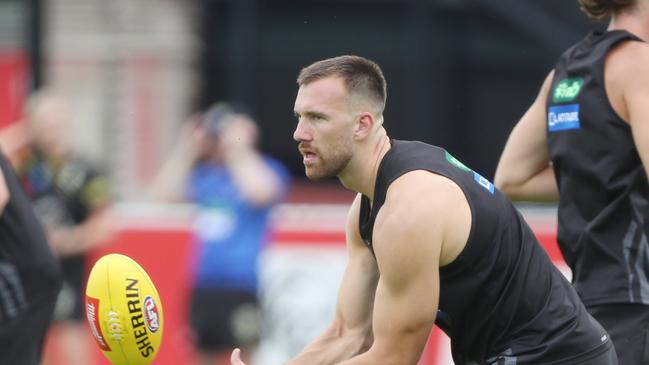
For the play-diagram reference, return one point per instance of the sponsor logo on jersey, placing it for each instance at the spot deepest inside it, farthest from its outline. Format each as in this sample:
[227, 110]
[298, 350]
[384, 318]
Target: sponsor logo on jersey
[455, 162]
[151, 314]
[483, 182]
[563, 117]
[567, 89]
[92, 310]
[134, 305]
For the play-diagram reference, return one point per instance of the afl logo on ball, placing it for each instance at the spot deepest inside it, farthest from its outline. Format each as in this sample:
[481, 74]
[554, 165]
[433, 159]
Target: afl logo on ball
[151, 314]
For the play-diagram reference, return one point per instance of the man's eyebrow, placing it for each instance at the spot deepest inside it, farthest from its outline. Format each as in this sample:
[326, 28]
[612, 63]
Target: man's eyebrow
[313, 115]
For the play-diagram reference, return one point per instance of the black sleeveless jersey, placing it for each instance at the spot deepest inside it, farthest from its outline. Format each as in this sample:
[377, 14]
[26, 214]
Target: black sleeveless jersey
[604, 206]
[501, 299]
[29, 272]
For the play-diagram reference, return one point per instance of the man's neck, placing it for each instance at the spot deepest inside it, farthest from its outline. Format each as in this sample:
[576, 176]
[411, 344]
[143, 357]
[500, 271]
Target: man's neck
[360, 174]
[635, 21]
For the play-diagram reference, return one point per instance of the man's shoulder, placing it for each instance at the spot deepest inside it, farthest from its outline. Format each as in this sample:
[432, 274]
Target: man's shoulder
[637, 54]
[423, 183]
[422, 193]
[630, 58]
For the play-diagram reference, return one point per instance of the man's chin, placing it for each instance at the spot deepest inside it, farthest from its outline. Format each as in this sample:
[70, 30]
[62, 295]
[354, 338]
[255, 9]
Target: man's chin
[315, 175]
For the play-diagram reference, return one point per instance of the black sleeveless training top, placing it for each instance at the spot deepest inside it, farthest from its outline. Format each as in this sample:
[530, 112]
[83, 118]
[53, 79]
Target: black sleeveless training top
[501, 300]
[604, 206]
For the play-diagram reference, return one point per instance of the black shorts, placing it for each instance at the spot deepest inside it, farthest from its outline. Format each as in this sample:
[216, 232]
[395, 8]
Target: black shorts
[603, 354]
[21, 338]
[628, 325]
[223, 320]
[608, 357]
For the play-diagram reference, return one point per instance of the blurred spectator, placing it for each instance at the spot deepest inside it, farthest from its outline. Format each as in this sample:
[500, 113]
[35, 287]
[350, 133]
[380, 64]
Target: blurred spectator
[216, 166]
[71, 198]
[30, 276]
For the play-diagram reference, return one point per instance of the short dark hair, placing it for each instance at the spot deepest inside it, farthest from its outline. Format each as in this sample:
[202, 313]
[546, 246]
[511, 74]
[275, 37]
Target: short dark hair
[599, 9]
[360, 75]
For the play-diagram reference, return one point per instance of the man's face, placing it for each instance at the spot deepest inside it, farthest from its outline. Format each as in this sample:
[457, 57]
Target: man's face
[51, 129]
[325, 128]
[238, 133]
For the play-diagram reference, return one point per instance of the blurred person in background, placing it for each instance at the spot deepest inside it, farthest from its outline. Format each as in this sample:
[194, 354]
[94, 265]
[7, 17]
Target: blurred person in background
[428, 241]
[30, 275]
[217, 166]
[71, 197]
[585, 142]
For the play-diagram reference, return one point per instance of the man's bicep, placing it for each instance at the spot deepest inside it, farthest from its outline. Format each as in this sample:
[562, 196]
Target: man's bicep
[640, 129]
[525, 154]
[637, 100]
[404, 315]
[408, 291]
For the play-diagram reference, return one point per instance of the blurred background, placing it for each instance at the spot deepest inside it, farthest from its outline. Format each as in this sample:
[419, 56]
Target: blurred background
[460, 73]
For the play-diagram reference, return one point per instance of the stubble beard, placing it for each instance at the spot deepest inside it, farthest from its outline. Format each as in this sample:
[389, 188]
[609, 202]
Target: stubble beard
[332, 165]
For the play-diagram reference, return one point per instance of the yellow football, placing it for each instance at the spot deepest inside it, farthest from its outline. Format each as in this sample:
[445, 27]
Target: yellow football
[124, 311]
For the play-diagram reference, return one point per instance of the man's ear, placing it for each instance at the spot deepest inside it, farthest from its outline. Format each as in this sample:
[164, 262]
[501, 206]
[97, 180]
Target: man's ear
[365, 125]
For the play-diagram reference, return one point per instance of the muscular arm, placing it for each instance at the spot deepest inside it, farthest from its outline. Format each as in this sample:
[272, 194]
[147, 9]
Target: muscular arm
[408, 248]
[636, 98]
[351, 330]
[524, 171]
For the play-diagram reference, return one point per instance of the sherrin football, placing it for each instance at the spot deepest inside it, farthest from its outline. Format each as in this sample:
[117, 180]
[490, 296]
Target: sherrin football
[124, 311]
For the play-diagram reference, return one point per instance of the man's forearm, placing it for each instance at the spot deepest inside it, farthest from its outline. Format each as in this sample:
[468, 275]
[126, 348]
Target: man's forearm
[367, 359]
[333, 348]
[372, 357]
[541, 187]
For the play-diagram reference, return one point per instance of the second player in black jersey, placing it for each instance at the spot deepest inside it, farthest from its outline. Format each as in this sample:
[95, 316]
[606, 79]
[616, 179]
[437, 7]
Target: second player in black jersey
[585, 142]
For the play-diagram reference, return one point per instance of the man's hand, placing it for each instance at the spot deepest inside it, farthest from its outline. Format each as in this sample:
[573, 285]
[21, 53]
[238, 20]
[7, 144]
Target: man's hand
[235, 359]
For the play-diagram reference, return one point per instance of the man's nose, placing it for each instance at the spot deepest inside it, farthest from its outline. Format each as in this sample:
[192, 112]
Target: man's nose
[301, 132]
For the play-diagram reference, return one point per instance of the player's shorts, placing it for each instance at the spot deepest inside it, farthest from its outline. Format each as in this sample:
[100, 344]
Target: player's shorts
[223, 320]
[628, 325]
[608, 357]
[69, 304]
[21, 338]
[603, 354]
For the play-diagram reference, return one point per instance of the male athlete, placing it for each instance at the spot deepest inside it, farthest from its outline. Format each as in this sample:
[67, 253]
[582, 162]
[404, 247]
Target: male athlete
[429, 241]
[585, 142]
